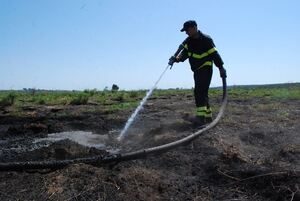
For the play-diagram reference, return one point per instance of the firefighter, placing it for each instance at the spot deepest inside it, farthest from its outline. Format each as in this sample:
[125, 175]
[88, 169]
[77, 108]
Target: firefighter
[200, 49]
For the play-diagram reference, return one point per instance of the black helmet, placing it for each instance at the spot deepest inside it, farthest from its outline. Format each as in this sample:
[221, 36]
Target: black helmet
[188, 24]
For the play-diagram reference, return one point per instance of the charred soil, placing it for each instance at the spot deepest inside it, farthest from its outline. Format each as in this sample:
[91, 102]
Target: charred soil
[252, 154]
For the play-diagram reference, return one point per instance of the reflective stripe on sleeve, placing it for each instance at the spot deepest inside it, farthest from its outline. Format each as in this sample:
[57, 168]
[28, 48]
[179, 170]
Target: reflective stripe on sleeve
[200, 56]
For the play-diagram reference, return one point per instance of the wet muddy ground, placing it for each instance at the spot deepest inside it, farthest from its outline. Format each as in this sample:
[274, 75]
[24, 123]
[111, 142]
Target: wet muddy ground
[252, 154]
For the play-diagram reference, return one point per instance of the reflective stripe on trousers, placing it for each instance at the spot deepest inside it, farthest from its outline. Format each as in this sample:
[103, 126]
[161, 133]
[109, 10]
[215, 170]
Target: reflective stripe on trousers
[204, 111]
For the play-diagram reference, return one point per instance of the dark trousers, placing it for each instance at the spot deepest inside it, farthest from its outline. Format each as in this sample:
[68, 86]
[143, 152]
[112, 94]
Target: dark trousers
[202, 78]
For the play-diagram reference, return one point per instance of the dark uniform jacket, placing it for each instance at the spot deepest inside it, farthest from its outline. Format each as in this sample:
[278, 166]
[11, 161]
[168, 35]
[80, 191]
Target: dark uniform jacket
[201, 52]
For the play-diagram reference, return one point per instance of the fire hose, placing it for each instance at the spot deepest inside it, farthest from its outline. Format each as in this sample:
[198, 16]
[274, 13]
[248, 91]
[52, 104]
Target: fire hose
[99, 160]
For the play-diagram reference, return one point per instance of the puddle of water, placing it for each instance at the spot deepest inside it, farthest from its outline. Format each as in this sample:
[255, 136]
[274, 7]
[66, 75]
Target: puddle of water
[88, 139]
[84, 138]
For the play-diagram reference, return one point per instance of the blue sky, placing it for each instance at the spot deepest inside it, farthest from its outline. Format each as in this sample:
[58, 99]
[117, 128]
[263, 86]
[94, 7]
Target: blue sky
[86, 44]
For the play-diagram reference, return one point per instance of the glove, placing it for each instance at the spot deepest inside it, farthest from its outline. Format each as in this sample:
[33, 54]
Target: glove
[222, 72]
[172, 60]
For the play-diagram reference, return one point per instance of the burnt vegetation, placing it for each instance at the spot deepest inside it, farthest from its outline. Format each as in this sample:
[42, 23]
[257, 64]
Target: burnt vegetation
[252, 154]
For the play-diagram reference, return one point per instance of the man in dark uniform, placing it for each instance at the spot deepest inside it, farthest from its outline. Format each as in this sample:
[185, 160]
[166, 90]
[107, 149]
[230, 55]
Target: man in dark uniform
[200, 49]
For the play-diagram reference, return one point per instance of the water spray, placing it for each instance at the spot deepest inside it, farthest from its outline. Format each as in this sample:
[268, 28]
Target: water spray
[135, 113]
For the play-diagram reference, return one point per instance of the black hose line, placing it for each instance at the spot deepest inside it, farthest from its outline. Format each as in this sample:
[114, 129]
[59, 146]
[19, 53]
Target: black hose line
[98, 160]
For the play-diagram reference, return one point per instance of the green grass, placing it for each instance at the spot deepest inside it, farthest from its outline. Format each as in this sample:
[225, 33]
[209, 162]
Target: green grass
[7, 99]
[120, 100]
[80, 99]
[284, 91]
[109, 100]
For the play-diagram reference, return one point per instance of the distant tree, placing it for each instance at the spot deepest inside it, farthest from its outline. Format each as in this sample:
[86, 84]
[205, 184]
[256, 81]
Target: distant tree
[33, 91]
[114, 87]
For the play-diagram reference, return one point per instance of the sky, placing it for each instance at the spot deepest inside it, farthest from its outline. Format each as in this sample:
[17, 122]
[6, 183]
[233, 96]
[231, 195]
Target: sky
[93, 44]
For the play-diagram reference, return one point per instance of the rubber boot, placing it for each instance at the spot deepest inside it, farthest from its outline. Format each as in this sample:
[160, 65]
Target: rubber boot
[208, 115]
[195, 120]
[208, 120]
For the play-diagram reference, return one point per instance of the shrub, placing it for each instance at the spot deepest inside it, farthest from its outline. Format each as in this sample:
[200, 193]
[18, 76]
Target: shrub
[91, 92]
[133, 94]
[120, 97]
[41, 102]
[81, 99]
[8, 100]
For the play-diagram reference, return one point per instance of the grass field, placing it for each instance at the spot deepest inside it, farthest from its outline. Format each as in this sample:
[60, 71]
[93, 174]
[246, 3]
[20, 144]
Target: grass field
[128, 99]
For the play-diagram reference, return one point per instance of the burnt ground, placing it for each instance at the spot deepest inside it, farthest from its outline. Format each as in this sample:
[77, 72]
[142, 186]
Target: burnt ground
[252, 154]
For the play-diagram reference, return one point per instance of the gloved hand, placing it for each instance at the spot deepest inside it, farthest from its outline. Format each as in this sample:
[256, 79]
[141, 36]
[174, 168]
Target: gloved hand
[172, 60]
[222, 72]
